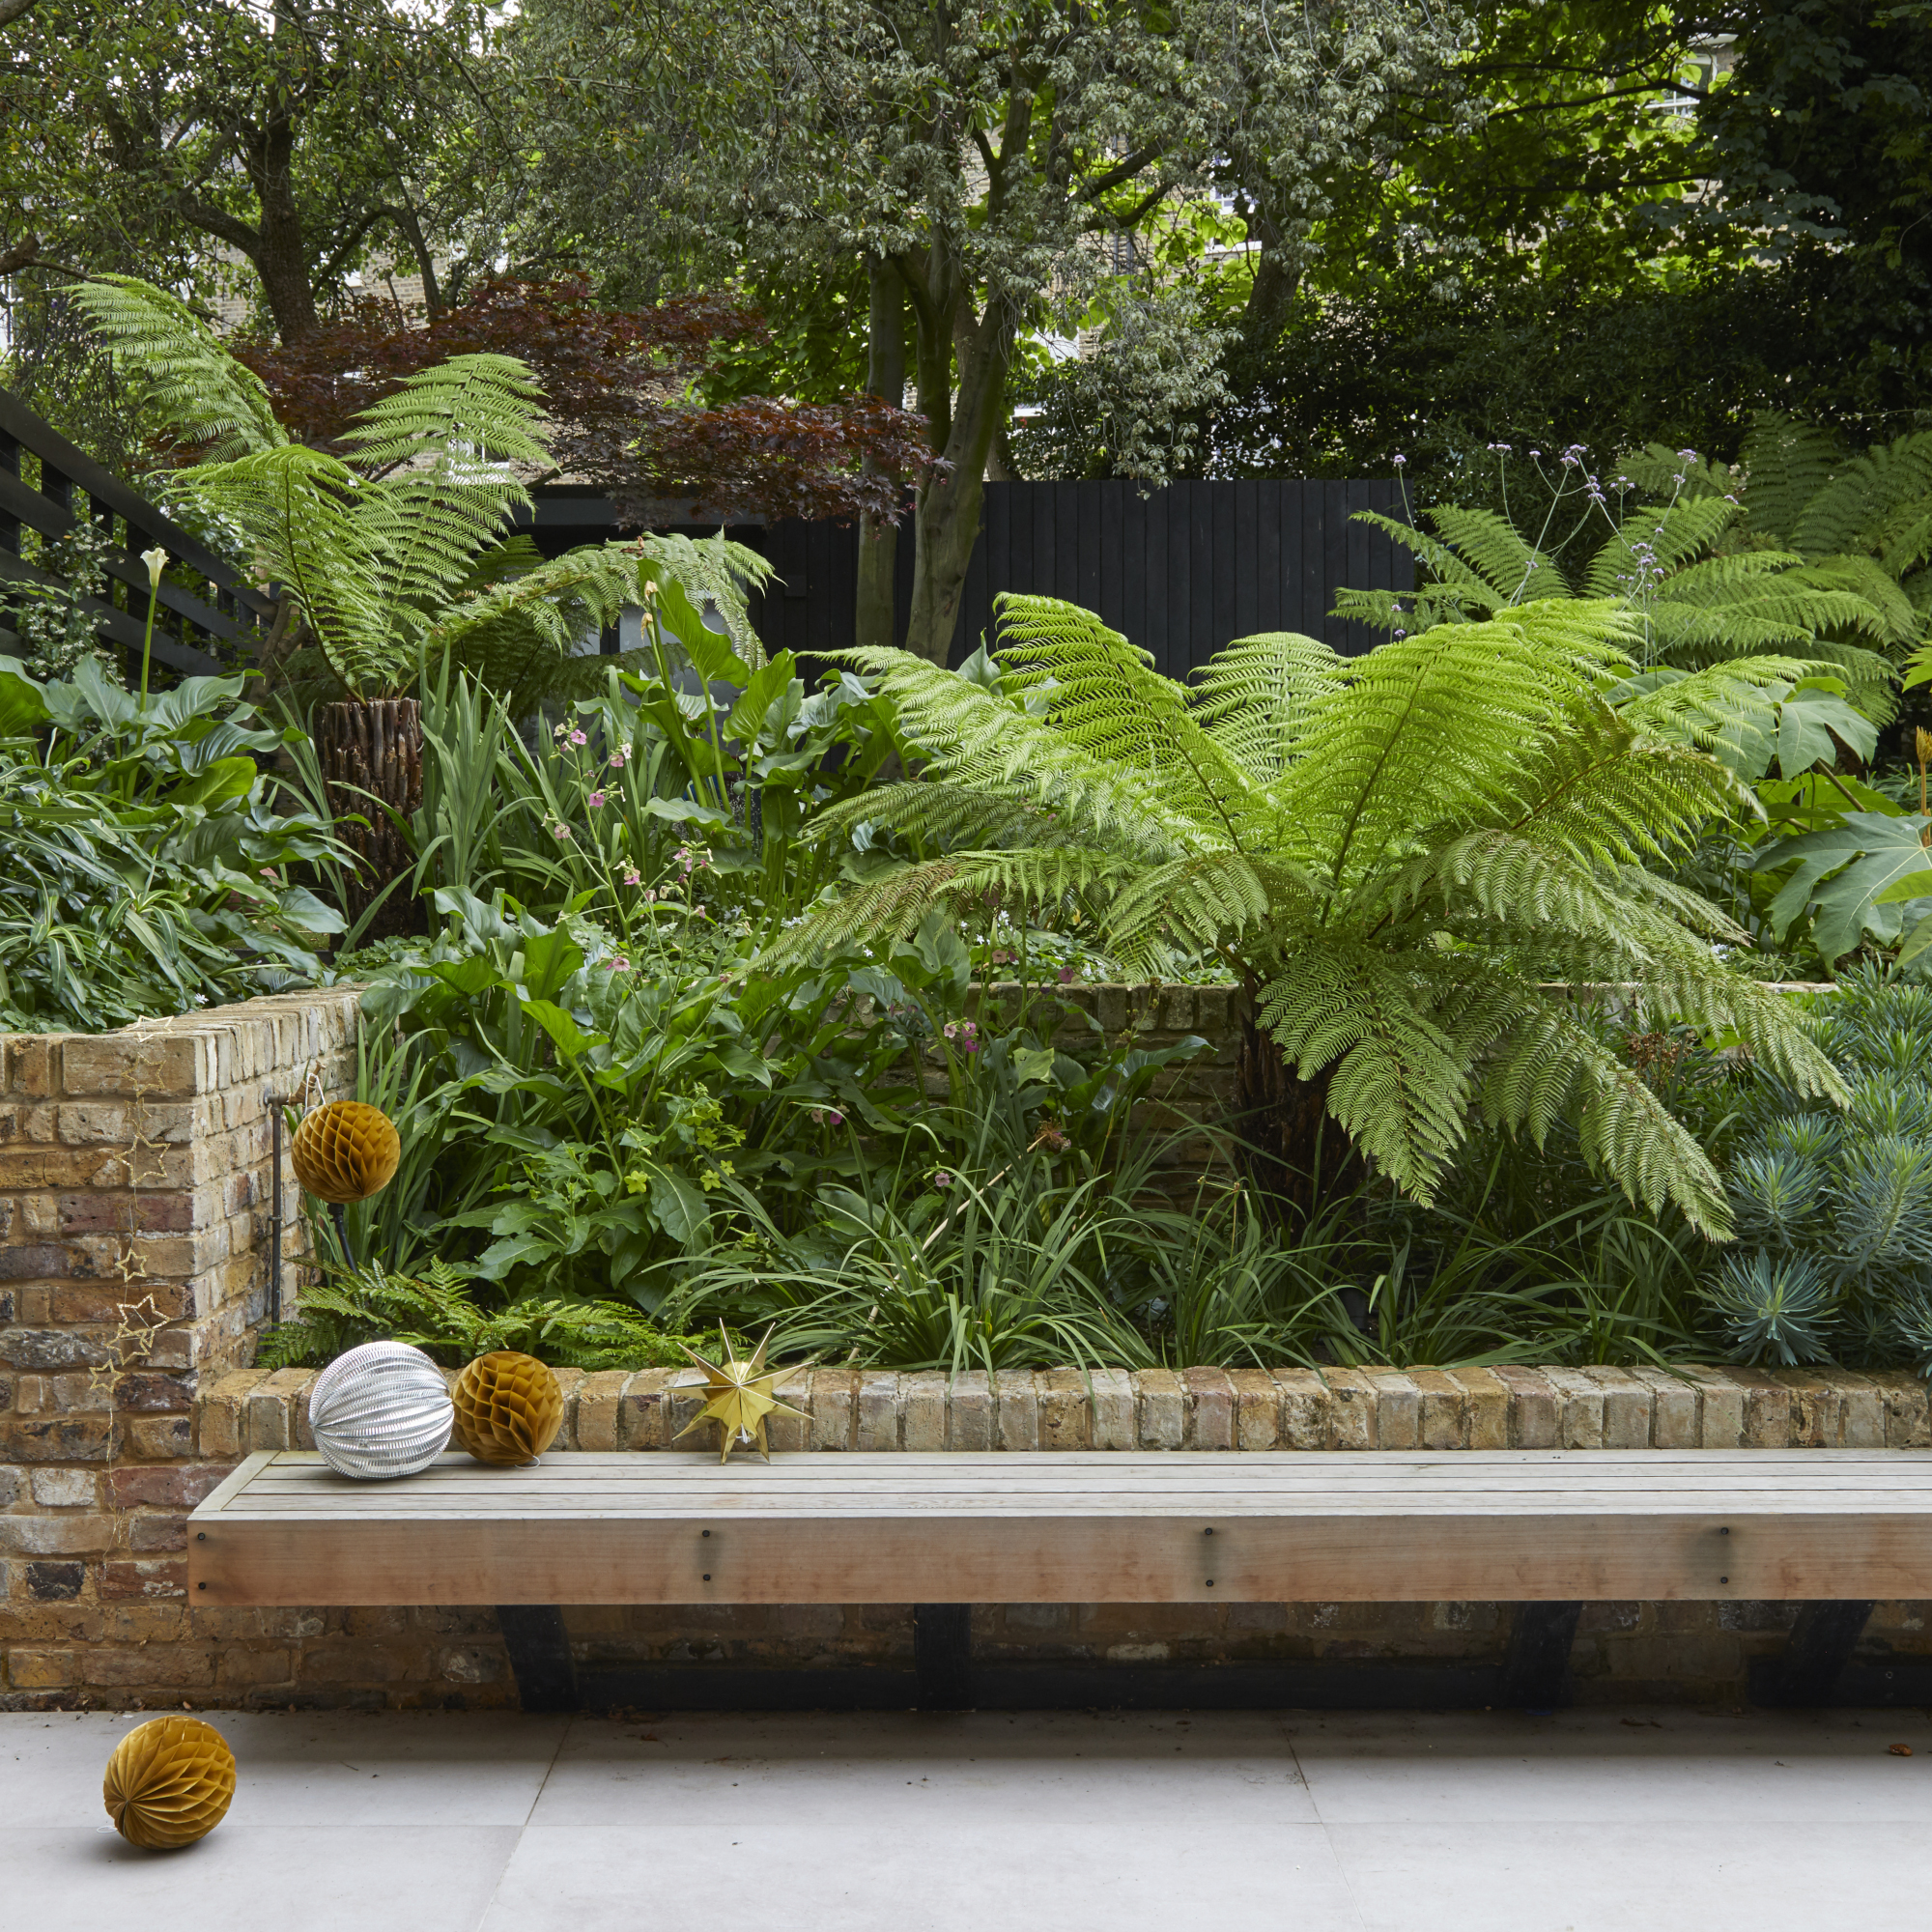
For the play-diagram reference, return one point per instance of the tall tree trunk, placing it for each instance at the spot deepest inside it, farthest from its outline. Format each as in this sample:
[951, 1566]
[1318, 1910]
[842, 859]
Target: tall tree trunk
[948, 520]
[875, 623]
[281, 258]
[1295, 1154]
[371, 758]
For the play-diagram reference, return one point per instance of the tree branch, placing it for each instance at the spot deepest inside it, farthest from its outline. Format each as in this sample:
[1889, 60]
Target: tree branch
[1121, 171]
[219, 223]
[11, 10]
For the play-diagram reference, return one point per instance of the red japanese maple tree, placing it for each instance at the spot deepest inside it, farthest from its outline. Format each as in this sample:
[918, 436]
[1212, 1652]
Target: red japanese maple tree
[618, 388]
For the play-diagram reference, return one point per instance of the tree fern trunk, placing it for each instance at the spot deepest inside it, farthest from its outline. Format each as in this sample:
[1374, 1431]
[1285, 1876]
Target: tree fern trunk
[1296, 1155]
[372, 758]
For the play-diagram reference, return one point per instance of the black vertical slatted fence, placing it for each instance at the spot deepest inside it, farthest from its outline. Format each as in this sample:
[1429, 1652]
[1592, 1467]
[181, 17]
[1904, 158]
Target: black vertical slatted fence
[1180, 572]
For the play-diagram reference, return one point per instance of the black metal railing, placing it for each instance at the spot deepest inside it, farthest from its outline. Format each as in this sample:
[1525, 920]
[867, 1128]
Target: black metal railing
[214, 624]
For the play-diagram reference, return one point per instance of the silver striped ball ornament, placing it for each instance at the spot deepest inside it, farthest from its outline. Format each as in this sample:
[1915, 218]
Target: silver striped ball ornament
[380, 1410]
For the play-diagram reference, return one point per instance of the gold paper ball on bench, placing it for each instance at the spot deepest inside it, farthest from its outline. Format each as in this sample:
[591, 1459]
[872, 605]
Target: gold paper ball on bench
[345, 1151]
[509, 1407]
[169, 1783]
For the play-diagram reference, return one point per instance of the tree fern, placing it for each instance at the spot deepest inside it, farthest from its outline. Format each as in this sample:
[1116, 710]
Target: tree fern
[399, 553]
[1810, 563]
[1397, 853]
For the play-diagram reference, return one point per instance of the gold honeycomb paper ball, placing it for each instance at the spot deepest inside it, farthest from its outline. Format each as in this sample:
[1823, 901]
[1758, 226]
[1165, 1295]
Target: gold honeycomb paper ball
[169, 1783]
[345, 1151]
[509, 1407]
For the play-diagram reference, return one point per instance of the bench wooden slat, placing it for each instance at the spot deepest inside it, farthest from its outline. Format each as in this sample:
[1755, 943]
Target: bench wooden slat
[1080, 1527]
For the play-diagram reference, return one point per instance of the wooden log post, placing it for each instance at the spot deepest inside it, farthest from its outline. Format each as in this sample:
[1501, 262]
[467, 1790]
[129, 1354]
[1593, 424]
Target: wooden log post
[371, 757]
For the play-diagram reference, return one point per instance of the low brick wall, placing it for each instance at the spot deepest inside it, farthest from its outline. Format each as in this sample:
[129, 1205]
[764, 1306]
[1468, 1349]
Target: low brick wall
[135, 1179]
[135, 1182]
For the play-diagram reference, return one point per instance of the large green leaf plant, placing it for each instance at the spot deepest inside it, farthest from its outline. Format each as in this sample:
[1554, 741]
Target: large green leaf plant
[149, 857]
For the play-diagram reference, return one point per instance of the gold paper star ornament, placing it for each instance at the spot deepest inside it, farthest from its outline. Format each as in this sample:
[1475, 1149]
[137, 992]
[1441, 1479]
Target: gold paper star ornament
[741, 1398]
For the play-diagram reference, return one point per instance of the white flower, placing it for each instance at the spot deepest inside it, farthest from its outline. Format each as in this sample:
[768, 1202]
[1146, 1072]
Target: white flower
[157, 560]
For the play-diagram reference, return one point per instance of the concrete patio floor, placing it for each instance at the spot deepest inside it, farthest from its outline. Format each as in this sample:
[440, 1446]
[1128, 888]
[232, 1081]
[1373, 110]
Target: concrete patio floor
[1070, 1821]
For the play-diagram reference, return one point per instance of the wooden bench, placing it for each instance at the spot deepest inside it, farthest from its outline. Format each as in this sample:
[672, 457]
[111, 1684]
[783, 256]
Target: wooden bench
[1550, 1531]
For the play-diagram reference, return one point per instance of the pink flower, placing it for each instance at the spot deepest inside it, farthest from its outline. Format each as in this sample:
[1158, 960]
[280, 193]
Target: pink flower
[617, 759]
[942, 1180]
[617, 965]
[634, 877]
[561, 830]
[579, 738]
[596, 800]
[1067, 976]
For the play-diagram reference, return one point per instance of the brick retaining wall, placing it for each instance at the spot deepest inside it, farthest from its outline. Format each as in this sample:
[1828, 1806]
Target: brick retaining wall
[134, 1175]
[135, 1181]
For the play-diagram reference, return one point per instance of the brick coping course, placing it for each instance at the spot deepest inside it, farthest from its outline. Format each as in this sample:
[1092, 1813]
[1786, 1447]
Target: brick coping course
[1159, 1409]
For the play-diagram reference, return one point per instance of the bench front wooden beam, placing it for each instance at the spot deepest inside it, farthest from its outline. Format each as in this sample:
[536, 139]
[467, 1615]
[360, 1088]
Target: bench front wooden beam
[1186, 1527]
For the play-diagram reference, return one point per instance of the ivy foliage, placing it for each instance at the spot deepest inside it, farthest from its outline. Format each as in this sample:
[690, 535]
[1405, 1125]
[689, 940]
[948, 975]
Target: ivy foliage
[1399, 853]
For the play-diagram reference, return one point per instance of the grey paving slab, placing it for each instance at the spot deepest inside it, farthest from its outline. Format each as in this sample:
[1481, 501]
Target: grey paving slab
[249, 1874]
[1073, 1769]
[1612, 1767]
[963, 1866]
[1708, 1877]
[305, 1771]
[1084, 1822]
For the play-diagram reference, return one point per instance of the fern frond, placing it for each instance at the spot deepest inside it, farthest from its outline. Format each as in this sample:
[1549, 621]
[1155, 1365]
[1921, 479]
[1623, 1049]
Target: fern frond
[507, 634]
[1728, 709]
[1491, 546]
[301, 506]
[1653, 538]
[1104, 699]
[171, 360]
[892, 904]
[1395, 1081]
[1786, 463]
[1254, 698]
[986, 742]
[714, 572]
[1431, 730]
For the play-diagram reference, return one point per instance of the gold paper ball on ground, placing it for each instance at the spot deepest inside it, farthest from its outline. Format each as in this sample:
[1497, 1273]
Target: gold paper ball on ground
[169, 1783]
[345, 1151]
[509, 1407]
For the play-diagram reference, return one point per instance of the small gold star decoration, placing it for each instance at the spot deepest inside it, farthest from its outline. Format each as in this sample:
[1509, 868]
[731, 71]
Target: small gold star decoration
[137, 1329]
[741, 1398]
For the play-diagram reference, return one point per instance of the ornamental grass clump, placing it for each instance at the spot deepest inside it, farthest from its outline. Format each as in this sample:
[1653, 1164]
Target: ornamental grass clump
[1402, 856]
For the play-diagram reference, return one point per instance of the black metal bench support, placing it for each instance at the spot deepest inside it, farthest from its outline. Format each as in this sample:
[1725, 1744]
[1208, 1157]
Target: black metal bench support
[1537, 1664]
[942, 1655]
[1812, 1667]
[539, 1648]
